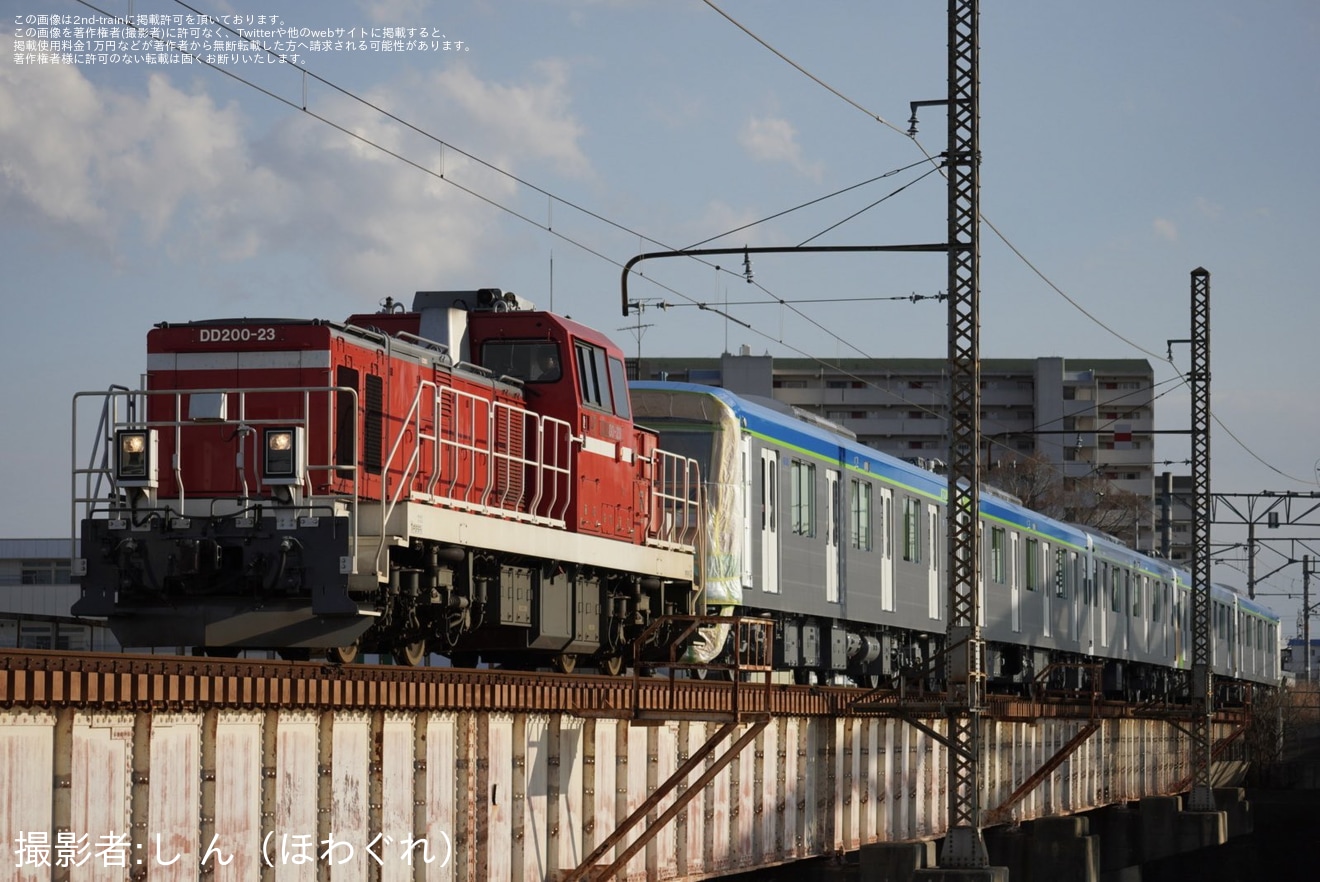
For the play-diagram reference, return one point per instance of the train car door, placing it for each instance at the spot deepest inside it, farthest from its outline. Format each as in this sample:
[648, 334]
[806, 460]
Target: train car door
[1014, 585]
[1042, 568]
[933, 565]
[980, 576]
[744, 479]
[770, 521]
[1086, 578]
[832, 536]
[1105, 588]
[885, 539]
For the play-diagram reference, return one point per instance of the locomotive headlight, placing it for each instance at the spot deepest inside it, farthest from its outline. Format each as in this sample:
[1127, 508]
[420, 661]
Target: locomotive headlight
[285, 456]
[135, 457]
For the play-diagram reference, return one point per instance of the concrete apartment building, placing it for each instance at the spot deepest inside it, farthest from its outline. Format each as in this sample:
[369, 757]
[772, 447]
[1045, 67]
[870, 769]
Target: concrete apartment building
[36, 591]
[1087, 417]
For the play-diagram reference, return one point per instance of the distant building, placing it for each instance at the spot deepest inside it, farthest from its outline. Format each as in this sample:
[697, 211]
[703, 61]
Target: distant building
[1294, 657]
[1087, 417]
[36, 592]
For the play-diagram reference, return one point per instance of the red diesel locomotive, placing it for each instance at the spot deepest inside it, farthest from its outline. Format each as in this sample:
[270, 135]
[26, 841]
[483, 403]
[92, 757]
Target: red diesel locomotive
[463, 478]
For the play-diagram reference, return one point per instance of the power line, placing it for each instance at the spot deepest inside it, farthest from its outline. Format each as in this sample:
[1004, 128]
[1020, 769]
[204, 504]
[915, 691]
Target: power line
[1001, 236]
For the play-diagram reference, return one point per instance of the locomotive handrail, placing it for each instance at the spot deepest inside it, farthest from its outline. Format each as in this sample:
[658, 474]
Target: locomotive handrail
[242, 425]
[492, 480]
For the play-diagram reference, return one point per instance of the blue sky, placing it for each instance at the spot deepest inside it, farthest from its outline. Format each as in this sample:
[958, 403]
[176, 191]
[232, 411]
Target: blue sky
[1124, 144]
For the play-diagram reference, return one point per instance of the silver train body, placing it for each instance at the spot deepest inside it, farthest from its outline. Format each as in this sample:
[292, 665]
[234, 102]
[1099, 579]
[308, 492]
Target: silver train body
[844, 547]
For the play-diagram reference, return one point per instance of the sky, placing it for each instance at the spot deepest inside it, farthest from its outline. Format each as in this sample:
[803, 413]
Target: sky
[537, 146]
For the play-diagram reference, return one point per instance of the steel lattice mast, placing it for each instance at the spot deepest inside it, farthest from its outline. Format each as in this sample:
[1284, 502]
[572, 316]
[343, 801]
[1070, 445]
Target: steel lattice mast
[964, 846]
[1202, 797]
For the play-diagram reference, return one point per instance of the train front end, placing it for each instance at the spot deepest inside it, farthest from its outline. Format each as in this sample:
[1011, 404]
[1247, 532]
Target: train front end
[216, 503]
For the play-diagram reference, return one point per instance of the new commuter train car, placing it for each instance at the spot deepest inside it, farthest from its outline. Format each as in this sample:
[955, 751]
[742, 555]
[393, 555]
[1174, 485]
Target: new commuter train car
[844, 547]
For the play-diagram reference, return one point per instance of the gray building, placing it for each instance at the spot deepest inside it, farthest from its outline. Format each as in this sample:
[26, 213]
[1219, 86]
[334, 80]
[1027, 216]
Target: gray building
[36, 592]
[1294, 657]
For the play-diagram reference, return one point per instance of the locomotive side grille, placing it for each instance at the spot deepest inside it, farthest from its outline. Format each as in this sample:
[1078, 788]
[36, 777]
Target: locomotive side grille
[345, 416]
[374, 401]
[508, 450]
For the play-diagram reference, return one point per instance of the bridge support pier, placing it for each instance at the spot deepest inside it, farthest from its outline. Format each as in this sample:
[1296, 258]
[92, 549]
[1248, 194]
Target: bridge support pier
[1111, 844]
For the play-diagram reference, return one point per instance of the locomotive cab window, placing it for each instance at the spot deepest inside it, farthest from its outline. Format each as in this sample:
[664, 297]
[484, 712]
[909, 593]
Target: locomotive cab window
[593, 382]
[532, 361]
[619, 386]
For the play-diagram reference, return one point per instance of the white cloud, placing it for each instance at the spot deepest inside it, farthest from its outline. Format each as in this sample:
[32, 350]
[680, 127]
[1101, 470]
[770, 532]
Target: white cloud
[160, 168]
[92, 160]
[772, 139]
[519, 119]
[1166, 229]
[1207, 208]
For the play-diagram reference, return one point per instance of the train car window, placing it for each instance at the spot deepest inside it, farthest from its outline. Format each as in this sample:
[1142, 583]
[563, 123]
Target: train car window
[802, 497]
[1115, 592]
[1136, 596]
[619, 389]
[911, 529]
[998, 540]
[1062, 574]
[862, 530]
[1032, 568]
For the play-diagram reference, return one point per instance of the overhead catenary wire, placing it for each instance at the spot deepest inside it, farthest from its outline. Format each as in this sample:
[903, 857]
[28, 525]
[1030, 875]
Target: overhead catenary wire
[448, 179]
[998, 233]
[552, 197]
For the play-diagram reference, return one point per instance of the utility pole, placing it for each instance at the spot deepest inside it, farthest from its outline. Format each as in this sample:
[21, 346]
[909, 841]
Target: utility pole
[1306, 616]
[964, 846]
[1202, 693]
[1166, 517]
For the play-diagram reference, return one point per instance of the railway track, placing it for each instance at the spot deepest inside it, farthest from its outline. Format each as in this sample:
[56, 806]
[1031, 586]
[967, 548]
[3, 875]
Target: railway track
[106, 681]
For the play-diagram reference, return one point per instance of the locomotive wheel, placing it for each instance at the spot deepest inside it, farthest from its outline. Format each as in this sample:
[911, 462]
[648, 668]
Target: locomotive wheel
[344, 655]
[611, 666]
[564, 662]
[410, 654]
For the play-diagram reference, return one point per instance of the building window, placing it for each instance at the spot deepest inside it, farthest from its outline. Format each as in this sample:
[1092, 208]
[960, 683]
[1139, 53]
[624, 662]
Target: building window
[45, 572]
[861, 516]
[802, 501]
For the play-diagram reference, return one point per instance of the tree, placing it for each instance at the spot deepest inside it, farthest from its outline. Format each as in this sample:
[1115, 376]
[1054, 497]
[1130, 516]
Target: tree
[1089, 501]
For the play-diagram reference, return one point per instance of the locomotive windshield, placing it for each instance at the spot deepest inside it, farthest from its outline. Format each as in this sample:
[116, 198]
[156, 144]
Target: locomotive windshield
[533, 361]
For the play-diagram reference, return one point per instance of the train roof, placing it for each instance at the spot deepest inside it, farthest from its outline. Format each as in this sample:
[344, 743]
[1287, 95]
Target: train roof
[810, 438]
